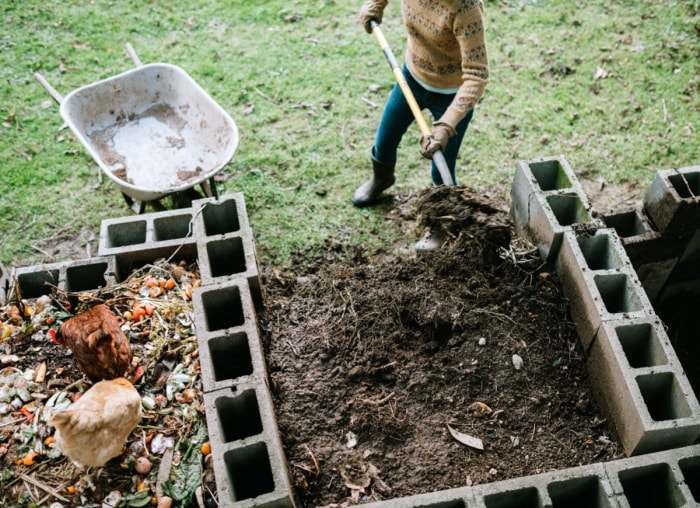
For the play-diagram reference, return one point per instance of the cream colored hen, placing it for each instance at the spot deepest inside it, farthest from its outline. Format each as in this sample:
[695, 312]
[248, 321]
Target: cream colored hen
[94, 429]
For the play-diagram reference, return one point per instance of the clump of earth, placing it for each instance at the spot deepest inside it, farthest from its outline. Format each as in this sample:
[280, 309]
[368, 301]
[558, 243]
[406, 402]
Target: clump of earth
[397, 374]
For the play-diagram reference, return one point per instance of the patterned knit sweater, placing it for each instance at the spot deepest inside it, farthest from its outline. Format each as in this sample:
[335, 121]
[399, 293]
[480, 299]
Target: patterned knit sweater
[446, 48]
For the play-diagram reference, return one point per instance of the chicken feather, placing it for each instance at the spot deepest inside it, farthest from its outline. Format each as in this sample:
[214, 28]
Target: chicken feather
[94, 429]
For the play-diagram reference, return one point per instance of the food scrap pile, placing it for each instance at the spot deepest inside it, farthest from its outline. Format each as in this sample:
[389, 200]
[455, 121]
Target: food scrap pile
[166, 460]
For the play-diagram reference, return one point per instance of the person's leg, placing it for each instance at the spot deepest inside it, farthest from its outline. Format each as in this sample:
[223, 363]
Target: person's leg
[438, 104]
[396, 119]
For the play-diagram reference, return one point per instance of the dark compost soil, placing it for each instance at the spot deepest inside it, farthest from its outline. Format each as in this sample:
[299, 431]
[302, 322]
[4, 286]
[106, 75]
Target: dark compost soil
[371, 359]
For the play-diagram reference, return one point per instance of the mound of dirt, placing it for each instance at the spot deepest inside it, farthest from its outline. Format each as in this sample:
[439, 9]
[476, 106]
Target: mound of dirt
[388, 372]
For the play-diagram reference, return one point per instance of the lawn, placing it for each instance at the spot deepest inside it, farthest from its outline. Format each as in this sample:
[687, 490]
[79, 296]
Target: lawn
[612, 86]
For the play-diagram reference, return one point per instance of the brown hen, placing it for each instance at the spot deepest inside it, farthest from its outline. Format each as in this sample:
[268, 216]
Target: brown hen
[95, 428]
[99, 346]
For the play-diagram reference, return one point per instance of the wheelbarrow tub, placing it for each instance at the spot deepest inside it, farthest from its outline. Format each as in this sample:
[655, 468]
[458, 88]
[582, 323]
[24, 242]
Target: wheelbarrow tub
[152, 130]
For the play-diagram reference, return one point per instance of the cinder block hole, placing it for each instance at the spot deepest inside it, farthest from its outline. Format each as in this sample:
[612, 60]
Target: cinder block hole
[256, 293]
[585, 492]
[649, 486]
[249, 472]
[34, 284]
[522, 498]
[128, 262]
[550, 175]
[690, 468]
[239, 416]
[568, 209]
[223, 308]
[456, 503]
[686, 184]
[221, 218]
[641, 345]
[618, 293]
[626, 224]
[663, 397]
[231, 356]
[86, 277]
[599, 252]
[226, 257]
[172, 227]
[123, 234]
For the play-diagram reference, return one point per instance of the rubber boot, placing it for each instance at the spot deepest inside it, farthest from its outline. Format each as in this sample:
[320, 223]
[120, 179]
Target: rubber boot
[383, 178]
[432, 240]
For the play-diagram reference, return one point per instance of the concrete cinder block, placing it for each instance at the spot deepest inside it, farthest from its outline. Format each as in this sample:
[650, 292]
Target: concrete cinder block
[640, 384]
[220, 216]
[231, 357]
[653, 255]
[229, 341]
[579, 486]
[672, 200]
[451, 498]
[225, 244]
[69, 276]
[546, 201]
[668, 479]
[545, 174]
[137, 240]
[249, 463]
[223, 308]
[662, 479]
[599, 281]
[685, 274]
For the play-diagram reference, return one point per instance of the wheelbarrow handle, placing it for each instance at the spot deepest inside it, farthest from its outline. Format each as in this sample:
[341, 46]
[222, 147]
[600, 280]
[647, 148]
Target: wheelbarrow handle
[438, 156]
[134, 57]
[58, 97]
[52, 91]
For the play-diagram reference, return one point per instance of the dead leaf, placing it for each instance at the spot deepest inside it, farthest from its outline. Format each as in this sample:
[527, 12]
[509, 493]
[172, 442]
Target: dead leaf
[601, 73]
[466, 439]
[479, 409]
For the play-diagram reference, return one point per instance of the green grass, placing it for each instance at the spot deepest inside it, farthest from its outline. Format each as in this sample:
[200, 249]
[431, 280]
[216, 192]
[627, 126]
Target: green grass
[305, 85]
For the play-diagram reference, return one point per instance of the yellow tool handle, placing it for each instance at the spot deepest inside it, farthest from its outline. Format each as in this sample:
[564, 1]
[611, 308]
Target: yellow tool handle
[407, 93]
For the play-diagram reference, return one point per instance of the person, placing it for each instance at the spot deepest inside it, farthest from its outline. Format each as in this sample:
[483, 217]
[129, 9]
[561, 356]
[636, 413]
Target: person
[446, 66]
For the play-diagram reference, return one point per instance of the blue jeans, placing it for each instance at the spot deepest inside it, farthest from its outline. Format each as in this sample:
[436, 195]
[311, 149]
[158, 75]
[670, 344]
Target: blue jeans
[397, 117]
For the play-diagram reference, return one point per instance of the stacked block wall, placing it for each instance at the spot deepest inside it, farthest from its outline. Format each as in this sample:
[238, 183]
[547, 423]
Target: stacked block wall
[652, 406]
[249, 462]
[669, 479]
[547, 200]
[661, 237]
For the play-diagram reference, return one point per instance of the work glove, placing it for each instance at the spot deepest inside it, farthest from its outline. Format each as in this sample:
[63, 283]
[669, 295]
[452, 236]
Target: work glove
[442, 132]
[368, 12]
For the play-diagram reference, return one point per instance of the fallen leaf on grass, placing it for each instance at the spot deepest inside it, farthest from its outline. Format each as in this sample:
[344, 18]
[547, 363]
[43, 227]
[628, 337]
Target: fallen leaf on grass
[466, 439]
[601, 73]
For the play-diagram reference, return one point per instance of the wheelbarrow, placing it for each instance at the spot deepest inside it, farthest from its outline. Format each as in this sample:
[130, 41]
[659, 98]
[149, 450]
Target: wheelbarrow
[152, 130]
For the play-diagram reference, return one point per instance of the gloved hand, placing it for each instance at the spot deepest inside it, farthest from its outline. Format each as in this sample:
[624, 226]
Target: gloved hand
[368, 12]
[442, 132]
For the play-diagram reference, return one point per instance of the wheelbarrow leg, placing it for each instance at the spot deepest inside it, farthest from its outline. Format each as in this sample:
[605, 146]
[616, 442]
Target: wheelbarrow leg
[137, 208]
[209, 188]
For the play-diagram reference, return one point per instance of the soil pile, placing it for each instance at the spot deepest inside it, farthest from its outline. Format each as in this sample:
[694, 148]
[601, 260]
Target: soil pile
[381, 366]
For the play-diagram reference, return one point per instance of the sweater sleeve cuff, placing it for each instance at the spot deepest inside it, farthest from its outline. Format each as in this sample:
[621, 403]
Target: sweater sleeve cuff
[452, 116]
